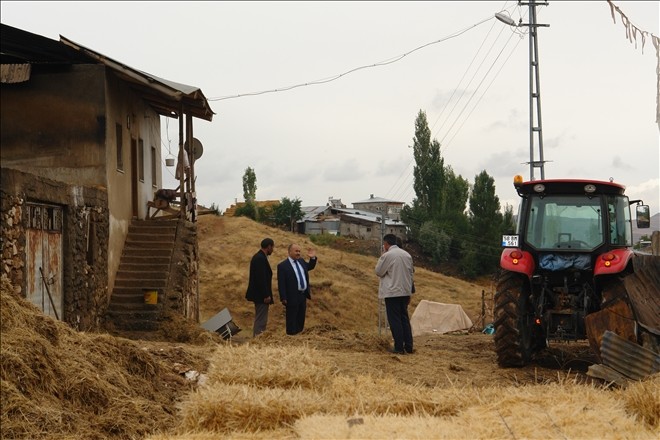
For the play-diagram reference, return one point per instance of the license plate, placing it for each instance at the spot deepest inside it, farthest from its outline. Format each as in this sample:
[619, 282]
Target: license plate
[509, 241]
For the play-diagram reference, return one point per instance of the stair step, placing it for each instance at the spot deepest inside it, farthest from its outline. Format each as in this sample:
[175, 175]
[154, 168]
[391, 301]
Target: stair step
[141, 275]
[144, 236]
[131, 290]
[141, 252]
[131, 304]
[156, 228]
[148, 311]
[139, 260]
[142, 284]
[144, 266]
[135, 244]
[129, 297]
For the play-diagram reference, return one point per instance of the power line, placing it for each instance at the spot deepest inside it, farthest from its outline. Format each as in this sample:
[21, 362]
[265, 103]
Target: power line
[482, 95]
[477, 89]
[504, 8]
[463, 77]
[379, 64]
[474, 93]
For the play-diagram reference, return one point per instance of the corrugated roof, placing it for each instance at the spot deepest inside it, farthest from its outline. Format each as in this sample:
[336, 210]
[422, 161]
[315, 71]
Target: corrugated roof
[369, 217]
[378, 200]
[166, 97]
[629, 359]
[18, 47]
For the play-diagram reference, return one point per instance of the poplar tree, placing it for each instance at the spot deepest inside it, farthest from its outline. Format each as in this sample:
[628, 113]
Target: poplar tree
[485, 227]
[429, 173]
[249, 185]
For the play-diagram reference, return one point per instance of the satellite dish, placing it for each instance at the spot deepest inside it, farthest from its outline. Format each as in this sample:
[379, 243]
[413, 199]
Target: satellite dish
[197, 151]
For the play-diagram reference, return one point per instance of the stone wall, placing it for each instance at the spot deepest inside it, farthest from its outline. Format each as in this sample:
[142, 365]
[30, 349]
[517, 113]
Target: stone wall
[182, 295]
[84, 241]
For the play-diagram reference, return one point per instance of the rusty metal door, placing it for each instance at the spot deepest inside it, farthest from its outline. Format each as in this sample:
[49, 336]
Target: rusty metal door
[44, 258]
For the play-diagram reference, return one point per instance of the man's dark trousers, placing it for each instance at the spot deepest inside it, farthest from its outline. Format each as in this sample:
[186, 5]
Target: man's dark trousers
[397, 317]
[296, 307]
[260, 318]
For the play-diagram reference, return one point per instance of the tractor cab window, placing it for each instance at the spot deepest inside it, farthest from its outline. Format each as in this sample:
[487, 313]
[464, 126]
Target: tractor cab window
[564, 223]
[620, 223]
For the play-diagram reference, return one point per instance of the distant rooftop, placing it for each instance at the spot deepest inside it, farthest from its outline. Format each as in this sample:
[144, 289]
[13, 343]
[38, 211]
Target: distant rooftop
[373, 199]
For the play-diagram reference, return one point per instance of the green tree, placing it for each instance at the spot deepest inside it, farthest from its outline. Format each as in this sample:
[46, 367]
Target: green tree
[428, 173]
[248, 210]
[434, 241]
[249, 185]
[287, 213]
[482, 254]
[428, 183]
[215, 209]
[454, 214]
[508, 223]
[457, 190]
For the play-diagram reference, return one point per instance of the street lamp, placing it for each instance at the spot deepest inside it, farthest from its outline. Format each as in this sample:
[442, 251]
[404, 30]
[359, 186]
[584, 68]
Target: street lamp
[534, 83]
[505, 19]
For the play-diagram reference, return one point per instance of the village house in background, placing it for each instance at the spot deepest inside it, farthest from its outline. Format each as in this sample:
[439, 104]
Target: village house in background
[81, 167]
[363, 221]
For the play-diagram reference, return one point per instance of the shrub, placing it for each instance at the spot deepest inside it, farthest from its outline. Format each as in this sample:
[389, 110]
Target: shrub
[434, 241]
[324, 239]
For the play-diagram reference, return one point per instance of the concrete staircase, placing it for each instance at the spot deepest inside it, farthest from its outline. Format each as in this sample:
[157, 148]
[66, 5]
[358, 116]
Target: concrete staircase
[144, 266]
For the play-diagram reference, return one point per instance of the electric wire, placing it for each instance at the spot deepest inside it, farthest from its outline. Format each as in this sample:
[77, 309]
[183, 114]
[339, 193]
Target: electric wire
[449, 142]
[378, 64]
[408, 193]
[504, 9]
[445, 146]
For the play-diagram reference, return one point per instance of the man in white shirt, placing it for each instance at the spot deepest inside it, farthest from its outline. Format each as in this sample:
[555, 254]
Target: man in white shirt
[395, 270]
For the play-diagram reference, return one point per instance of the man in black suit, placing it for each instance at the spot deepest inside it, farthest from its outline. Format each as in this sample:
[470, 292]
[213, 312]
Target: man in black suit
[293, 286]
[259, 288]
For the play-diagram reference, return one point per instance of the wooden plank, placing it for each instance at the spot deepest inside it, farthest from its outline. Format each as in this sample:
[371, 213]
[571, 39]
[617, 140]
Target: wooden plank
[617, 317]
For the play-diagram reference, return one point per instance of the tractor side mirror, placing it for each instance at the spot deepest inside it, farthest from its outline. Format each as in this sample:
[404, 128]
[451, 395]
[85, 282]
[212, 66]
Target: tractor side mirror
[643, 216]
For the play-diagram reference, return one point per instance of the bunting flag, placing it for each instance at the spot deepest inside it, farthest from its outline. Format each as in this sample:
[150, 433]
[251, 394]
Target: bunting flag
[632, 32]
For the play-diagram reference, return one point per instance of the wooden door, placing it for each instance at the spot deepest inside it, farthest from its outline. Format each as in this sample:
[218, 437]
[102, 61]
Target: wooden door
[134, 177]
[44, 258]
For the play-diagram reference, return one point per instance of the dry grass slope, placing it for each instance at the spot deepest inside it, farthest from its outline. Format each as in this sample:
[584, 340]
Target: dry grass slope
[344, 285]
[333, 381]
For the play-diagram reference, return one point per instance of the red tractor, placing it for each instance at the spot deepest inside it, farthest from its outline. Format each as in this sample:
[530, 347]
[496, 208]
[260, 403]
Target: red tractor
[572, 248]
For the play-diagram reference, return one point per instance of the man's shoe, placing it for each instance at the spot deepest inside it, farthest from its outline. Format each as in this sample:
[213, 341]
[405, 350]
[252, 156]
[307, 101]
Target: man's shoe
[393, 351]
[409, 351]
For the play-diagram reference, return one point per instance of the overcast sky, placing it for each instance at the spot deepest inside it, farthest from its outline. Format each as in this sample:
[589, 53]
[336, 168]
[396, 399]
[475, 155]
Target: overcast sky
[350, 137]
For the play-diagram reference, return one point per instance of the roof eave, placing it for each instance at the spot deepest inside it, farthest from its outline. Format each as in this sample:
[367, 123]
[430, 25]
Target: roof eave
[194, 100]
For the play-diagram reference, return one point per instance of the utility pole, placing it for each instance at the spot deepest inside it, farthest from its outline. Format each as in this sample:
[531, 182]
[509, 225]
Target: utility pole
[534, 91]
[381, 305]
[535, 124]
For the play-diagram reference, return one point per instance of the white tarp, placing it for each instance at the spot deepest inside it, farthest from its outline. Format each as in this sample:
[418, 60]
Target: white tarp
[435, 317]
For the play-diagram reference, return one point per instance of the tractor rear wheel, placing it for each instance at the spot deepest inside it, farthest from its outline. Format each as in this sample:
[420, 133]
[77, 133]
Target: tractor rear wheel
[514, 316]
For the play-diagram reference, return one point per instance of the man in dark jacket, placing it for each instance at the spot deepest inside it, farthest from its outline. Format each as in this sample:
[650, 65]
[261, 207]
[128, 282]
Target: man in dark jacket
[293, 285]
[259, 289]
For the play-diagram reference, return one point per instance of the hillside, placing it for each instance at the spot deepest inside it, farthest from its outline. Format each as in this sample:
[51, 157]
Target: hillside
[344, 284]
[336, 380]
